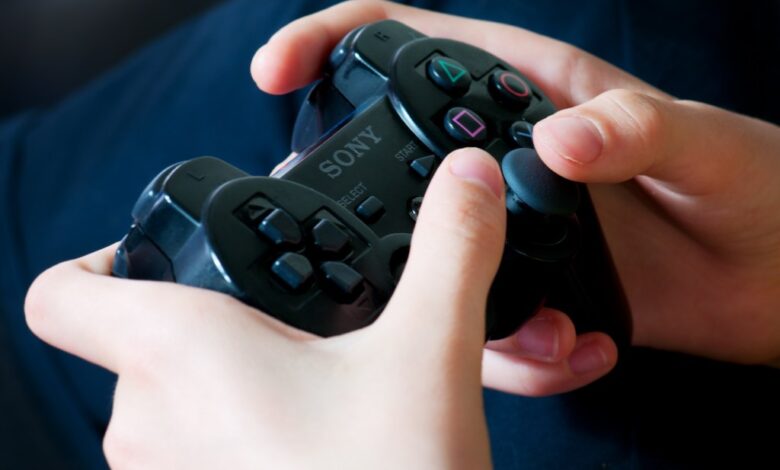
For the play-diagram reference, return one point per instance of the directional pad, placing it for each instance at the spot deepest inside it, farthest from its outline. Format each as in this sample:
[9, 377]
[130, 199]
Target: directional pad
[256, 208]
[328, 238]
[280, 228]
[345, 281]
[293, 270]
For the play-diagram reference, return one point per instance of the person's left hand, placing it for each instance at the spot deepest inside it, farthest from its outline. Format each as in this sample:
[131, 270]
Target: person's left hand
[208, 382]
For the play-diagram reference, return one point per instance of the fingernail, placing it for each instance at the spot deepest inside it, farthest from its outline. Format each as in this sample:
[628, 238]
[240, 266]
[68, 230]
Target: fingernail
[477, 166]
[587, 357]
[539, 338]
[574, 138]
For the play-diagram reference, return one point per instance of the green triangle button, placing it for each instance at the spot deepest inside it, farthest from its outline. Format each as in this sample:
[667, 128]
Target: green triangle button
[453, 71]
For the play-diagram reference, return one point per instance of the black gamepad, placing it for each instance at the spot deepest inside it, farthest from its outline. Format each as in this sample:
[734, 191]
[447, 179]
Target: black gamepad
[322, 244]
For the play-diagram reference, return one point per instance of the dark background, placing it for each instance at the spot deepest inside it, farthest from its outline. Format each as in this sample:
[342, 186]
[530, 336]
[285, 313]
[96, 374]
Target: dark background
[50, 47]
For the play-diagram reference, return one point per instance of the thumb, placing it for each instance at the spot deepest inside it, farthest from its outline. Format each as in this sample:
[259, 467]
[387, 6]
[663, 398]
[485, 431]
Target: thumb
[690, 147]
[455, 252]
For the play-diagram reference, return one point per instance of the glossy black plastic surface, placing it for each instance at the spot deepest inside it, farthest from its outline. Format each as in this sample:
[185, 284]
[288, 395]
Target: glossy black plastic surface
[369, 138]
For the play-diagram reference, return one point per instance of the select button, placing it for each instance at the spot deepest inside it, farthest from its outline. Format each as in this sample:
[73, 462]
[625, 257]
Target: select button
[370, 210]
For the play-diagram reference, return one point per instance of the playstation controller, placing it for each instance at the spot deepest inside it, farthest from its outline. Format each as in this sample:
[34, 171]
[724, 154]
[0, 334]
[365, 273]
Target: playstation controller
[322, 244]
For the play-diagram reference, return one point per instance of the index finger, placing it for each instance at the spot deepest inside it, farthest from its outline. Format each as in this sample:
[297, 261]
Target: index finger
[78, 307]
[294, 56]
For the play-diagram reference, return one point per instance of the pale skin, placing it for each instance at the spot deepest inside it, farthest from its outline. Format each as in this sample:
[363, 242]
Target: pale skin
[686, 194]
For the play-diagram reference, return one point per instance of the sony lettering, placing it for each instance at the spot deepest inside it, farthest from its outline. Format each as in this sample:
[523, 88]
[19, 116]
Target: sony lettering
[349, 153]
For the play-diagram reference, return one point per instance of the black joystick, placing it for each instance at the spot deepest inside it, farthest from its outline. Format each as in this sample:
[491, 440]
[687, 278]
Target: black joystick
[322, 244]
[531, 184]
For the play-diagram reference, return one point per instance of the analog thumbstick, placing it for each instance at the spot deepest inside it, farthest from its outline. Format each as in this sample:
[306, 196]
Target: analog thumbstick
[531, 184]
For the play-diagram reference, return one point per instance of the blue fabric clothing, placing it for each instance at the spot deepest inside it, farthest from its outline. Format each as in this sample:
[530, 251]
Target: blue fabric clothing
[70, 174]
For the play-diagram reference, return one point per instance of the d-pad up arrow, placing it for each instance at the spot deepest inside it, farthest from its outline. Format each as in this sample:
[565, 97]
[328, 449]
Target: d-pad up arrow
[453, 71]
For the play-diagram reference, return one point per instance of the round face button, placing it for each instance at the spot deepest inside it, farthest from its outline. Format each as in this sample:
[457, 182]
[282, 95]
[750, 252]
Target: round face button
[449, 75]
[509, 89]
[522, 133]
[465, 125]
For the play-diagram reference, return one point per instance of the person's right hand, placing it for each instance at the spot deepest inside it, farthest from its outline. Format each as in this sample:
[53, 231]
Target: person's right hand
[692, 214]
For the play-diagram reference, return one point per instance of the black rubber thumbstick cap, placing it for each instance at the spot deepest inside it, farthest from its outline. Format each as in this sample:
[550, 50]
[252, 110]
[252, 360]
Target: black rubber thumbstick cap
[530, 181]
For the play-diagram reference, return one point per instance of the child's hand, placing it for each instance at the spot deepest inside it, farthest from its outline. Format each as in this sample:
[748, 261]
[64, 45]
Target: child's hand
[208, 382]
[692, 219]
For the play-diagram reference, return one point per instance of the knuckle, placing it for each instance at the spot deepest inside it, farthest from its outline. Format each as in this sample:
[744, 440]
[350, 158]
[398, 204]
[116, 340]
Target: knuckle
[39, 302]
[525, 384]
[373, 8]
[148, 363]
[474, 219]
[577, 66]
[181, 323]
[118, 447]
[113, 447]
[640, 112]
[207, 305]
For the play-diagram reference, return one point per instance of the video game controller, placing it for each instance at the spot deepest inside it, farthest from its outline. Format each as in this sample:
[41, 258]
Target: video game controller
[322, 244]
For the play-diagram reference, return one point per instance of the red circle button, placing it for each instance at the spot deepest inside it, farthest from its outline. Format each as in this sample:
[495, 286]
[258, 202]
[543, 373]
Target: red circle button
[509, 89]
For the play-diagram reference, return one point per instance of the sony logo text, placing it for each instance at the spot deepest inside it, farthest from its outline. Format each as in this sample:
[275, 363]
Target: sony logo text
[349, 153]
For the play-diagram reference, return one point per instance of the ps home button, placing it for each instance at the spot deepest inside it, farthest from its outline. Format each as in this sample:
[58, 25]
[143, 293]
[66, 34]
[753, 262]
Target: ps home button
[449, 75]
